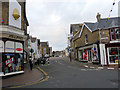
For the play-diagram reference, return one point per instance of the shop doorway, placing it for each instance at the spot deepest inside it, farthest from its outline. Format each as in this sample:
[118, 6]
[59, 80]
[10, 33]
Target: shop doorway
[89, 56]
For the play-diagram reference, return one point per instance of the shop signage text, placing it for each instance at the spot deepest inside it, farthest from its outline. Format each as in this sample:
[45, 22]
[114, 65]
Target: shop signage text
[15, 37]
[9, 61]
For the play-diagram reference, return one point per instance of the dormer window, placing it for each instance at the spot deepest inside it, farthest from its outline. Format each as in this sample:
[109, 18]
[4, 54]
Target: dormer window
[86, 39]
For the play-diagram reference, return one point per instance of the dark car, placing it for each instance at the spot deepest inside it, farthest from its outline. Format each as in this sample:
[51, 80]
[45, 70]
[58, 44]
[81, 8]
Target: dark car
[43, 60]
[57, 55]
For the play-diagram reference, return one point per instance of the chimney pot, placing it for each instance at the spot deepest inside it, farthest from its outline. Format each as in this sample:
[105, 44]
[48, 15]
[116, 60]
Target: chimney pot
[98, 17]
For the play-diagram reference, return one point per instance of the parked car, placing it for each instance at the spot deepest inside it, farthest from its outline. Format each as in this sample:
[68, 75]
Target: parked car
[42, 60]
[46, 56]
[57, 55]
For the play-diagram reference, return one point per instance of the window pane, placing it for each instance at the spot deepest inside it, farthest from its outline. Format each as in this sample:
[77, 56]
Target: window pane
[113, 59]
[113, 51]
[112, 31]
[112, 37]
[117, 31]
[117, 36]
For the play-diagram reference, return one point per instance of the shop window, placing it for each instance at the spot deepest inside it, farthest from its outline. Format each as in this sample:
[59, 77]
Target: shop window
[9, 46]
[117, 32]
[12, 63]
[114, 55]
[86, 39]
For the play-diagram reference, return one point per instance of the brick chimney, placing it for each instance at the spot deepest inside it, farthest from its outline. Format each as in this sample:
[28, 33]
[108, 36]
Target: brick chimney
[98, 17]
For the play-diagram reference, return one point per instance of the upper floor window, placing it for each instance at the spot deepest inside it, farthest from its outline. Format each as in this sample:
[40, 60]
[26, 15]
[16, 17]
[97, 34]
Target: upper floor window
[86, 39]
[115, 34]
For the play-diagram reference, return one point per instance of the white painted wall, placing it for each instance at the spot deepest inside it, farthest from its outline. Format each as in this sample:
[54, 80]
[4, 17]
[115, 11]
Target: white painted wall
[103, 54]
[35, 47]
[12, 5]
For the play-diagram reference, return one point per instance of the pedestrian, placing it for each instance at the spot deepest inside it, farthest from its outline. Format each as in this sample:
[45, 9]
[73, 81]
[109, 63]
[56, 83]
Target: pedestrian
[38, 61]
[31, 64]
[3, 67]
[44, 60]
[48, 61]
[70, 56]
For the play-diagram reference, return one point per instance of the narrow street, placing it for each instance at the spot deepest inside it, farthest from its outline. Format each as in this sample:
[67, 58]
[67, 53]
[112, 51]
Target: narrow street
[65, 74]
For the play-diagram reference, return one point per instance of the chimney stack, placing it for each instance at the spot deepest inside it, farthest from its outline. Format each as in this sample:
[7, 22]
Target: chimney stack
[98, 17]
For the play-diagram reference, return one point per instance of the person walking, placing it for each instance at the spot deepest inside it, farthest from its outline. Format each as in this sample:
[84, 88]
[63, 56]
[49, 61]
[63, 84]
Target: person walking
[31, 64]
[70, 56]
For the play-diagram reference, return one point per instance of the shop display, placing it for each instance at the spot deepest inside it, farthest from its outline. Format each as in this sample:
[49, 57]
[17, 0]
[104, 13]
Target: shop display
[95, 54]
[114, 55]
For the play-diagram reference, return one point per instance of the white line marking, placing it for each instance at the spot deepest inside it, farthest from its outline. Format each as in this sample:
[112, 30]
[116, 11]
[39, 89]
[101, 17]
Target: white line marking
[83, 69]
[92, 67]
[86, 66]
[100, 68]
[111, 68]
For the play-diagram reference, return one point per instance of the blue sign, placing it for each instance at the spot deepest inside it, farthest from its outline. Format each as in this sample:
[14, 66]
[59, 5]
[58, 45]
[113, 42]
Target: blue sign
[9, 54]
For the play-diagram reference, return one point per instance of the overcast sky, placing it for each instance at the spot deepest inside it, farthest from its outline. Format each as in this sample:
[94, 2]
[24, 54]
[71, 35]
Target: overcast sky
[50, 19]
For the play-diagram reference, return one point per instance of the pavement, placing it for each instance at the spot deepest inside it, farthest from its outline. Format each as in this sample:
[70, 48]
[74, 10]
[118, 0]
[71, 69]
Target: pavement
[90, 65]
[23, 79]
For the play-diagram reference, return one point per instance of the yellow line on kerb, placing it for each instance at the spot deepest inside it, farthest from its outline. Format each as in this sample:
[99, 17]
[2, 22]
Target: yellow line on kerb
[47, 77]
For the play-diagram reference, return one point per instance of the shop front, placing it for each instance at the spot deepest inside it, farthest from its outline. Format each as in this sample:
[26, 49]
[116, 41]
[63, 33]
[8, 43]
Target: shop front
[12, 56]
[113, 53]
[88, 54]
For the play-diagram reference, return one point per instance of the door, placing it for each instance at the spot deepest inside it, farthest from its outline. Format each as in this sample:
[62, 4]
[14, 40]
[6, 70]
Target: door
[89, 56]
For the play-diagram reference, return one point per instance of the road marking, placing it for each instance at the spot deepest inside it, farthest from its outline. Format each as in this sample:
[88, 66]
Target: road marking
[100, 68]
[92, 67]
[110, 68]
[29, 84]
[61, 63]
[83, 69]
[86, 66]
[96, 69]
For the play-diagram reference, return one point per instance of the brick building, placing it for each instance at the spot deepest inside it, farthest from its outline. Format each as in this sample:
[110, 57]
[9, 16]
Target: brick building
[13, 30]
[97, 42]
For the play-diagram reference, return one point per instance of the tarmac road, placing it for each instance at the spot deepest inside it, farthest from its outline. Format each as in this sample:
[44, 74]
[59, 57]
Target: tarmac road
[67, 75]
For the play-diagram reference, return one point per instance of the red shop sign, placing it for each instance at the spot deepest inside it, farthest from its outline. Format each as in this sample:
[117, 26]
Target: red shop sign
[9, 61]
[19, 49]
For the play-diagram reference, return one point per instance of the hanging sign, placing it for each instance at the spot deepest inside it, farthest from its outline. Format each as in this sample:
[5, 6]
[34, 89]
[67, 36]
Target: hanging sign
[9, 61]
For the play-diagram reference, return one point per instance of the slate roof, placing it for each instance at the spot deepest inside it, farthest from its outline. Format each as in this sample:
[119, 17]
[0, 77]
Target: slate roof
[112, 22]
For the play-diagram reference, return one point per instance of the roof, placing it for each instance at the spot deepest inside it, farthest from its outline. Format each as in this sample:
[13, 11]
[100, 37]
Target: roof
[33, 39]
[75, 27]
[44, 43]
[104, 23]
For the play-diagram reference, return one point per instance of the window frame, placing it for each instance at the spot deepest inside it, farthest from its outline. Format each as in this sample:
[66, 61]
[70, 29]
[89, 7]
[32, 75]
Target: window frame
[113, 33]
[86, 39]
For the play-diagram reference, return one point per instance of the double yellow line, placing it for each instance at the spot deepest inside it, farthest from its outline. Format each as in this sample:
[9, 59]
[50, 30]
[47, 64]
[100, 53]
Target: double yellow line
[46, 78]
